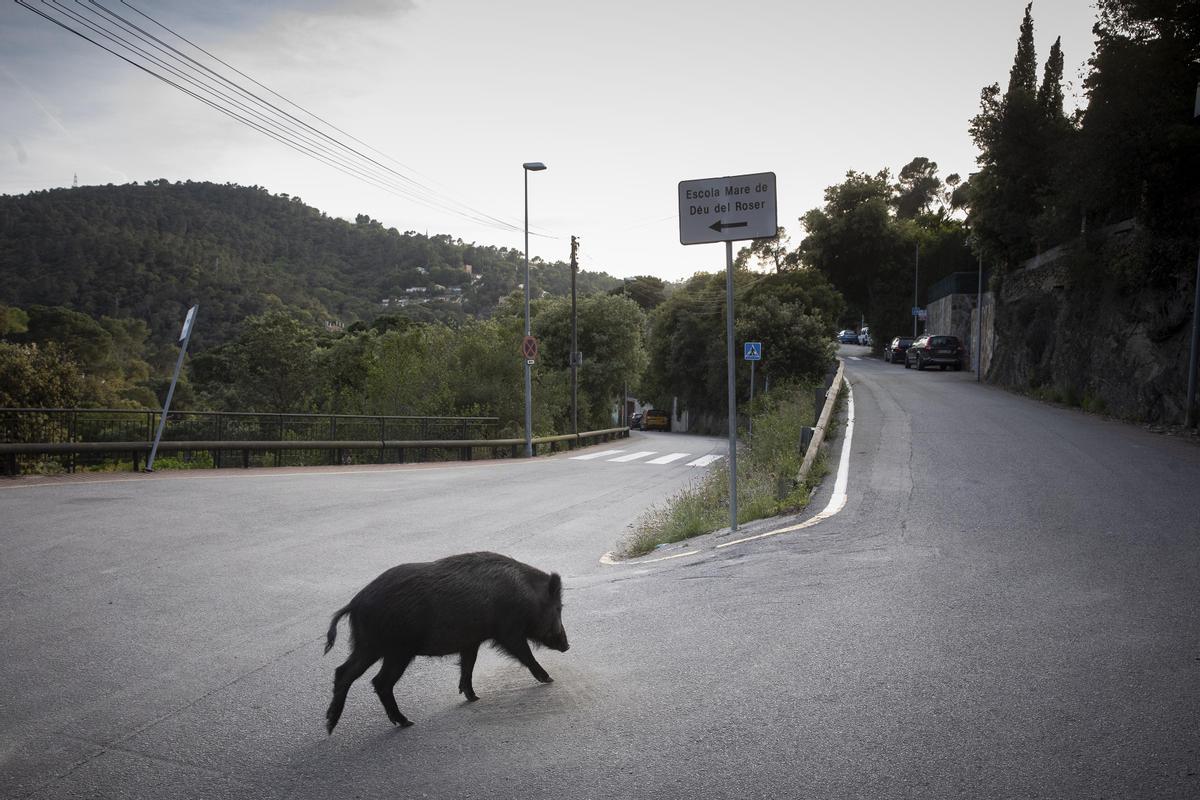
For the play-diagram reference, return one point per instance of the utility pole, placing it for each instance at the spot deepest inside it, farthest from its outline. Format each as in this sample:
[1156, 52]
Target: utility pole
[574, 341]
[1189, 413]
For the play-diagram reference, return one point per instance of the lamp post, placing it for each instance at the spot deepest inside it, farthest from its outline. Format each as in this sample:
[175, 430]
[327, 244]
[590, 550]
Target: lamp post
[527, 167]
[916, 275]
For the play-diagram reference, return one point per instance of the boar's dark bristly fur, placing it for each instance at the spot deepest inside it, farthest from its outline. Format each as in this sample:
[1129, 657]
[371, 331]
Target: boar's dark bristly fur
[444, 607]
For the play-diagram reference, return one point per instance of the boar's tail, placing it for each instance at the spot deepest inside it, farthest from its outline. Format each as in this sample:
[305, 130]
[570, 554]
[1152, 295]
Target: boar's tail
[329, 637]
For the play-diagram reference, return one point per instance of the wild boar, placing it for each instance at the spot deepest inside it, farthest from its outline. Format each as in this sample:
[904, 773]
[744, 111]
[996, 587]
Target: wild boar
[444, 607]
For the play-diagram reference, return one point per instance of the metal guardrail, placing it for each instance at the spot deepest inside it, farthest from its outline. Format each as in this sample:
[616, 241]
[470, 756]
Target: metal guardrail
[256, 451]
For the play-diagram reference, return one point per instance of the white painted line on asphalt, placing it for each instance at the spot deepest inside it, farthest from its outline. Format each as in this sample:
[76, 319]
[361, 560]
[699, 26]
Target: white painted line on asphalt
[601, 454]
[634, 456]
[704, 461]
[667, 459]
[284, 472]
[609, 560]
[854, 358]
[838, 501]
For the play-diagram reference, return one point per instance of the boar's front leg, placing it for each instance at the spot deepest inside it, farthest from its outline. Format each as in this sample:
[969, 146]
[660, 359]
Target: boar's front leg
[518, 648]
[466, 664]
[393, 667]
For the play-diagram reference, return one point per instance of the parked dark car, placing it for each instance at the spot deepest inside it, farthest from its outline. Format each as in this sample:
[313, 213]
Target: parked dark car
[935, 351]
[847, 337]
[635, 420]
[655, 420]
[894, 352]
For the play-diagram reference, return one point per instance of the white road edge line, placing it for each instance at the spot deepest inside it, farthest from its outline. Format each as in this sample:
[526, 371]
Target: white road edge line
[608, 560]
[836, 502]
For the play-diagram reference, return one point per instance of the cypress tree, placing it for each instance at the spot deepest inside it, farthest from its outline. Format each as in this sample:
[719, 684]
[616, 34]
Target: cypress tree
[1023, 76]
[1050, 94]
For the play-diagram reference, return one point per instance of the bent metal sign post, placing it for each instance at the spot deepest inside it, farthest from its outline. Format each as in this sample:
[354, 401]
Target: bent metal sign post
[729, 209]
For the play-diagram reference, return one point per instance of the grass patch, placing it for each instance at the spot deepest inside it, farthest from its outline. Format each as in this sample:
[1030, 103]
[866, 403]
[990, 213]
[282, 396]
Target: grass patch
[199, 459]
[768, 466]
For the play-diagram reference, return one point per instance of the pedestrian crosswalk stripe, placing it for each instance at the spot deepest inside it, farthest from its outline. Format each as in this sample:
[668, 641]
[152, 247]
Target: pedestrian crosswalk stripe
[668, 458]
[601, 454]
[704, 461]
[634, 456]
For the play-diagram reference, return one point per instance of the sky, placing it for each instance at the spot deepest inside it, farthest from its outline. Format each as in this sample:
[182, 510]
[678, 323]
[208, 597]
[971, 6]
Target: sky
[621, 100]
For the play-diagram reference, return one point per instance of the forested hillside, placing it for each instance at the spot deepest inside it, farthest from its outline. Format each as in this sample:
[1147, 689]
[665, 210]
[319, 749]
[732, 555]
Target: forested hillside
[148, 251]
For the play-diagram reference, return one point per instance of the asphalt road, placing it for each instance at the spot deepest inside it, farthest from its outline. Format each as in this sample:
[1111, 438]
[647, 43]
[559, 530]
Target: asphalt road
[1006, 606]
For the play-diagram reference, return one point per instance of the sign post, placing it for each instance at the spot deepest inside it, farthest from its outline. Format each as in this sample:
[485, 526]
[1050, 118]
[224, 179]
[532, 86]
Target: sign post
[752, 352]
[728, 209]
[185, 336]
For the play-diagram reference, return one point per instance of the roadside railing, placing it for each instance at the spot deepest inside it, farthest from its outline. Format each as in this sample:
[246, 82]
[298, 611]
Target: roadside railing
[87, 438]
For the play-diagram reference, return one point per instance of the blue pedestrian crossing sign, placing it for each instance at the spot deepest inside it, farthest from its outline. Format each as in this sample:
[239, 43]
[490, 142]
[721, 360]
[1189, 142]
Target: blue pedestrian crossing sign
[752, 351]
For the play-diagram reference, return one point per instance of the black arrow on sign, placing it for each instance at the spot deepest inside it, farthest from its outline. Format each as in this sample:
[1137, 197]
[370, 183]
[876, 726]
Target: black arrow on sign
[719, 226]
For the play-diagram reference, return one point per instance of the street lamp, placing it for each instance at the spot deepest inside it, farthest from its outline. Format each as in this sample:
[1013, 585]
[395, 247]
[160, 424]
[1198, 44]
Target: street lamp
[528, 166]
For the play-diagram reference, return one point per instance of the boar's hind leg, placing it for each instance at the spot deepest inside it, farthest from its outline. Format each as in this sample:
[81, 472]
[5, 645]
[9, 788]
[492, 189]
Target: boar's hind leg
[343, 676]
[518, 648]
[466, 665]
[393, 667]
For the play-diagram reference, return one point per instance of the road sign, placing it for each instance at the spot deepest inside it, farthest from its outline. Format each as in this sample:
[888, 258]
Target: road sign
[752, 351]
[529, 348]
[728, 209]
[187, 323]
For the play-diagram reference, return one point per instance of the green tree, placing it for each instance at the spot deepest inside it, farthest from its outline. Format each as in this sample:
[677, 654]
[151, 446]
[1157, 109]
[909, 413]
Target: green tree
[611, 338]
[1022, 78]
[771, 253]
[1023, 139]
[1138, 153]
[13, 320]
[853, 241]
[796, 342]
[342, 368]
[647, 291]
[487, 374]
[791, 312]
[687, 356]
[271, 365]
[39, 376]
[407, 373]
[917, 187]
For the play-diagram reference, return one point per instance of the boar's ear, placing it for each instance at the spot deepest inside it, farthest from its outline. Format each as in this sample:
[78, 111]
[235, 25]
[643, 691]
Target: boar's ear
[555, 586]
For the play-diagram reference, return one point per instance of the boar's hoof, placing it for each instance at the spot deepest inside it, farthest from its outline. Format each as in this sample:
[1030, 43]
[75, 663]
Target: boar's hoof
[544, 678]
[471, 697]
[404, 722]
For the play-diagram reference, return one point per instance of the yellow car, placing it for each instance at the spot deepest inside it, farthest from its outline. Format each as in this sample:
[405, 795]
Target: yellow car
[654, 420]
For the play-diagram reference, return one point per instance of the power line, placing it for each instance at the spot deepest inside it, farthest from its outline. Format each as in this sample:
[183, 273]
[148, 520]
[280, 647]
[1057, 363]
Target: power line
[250, 109]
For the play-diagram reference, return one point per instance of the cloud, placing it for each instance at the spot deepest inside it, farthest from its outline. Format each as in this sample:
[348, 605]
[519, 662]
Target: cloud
[226, 13]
